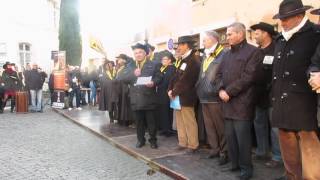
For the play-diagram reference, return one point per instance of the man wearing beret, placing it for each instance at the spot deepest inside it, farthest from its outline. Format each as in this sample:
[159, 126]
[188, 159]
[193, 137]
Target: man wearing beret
[293, 101]
[263, 34]
[143, 95]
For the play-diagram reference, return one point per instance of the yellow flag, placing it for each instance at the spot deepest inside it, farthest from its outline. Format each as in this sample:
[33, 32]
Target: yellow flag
[96, 45]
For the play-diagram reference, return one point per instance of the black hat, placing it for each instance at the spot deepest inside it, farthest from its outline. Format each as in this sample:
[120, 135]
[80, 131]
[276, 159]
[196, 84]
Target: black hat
[290, 8]
[6, 65]
[264, 27]
[149, 46]
[315, 12]
[122, 56]
[166, 53]
[185, 39]
[140, 46]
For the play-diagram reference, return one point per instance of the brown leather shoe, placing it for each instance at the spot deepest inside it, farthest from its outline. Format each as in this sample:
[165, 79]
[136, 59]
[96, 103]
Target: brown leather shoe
[191, 151]
[180, 148]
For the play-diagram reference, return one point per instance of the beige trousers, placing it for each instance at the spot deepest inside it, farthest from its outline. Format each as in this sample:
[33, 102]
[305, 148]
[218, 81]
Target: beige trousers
[187, 127]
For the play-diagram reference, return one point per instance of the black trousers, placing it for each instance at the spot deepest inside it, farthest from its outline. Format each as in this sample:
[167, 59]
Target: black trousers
[145, 118]
[165, 117]
[75, 92]
[238, 135]
[1, 102]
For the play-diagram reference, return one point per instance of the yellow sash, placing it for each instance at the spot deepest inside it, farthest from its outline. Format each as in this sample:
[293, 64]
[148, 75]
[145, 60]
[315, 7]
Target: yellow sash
[163, 68]
[111, 75]
[178, 62]
[140, 65]
[120, 69]
[211, 58]
[151, 57]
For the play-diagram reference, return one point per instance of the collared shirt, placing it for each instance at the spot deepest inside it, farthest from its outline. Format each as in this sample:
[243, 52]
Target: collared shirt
[210, 50]
[186, 54]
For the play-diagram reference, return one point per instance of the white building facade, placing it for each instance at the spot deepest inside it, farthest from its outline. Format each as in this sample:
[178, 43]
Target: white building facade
[29, 32]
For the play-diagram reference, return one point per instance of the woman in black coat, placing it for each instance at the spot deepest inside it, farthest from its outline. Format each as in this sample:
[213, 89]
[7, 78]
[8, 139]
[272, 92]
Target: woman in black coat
[164, 112]
[12, 83]
[105, 81]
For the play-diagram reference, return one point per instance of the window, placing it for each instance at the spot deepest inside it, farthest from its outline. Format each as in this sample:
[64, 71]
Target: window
[3, 53]
[24, 53]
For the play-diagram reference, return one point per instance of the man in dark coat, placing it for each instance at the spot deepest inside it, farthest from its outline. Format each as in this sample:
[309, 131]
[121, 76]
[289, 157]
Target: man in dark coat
[209, 98]
[34, 82]
[294, 103]
[143, 95]
[235, 80]
[74, 79]
[263, 34]
[182, 85]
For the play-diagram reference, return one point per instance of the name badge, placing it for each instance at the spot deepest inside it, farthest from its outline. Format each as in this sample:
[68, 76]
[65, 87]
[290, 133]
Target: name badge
[183, 66]
[268, 60]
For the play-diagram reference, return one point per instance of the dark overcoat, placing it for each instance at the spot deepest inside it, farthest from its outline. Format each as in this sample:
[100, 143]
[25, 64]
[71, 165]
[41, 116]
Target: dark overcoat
[237, 75]
[141, 96]
[294, 103]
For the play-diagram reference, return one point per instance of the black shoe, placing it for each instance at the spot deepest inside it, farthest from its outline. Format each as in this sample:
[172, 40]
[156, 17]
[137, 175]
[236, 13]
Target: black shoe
[244, 177]
[154, 145]
[1, 111]
[232, 169]
[283, 177]
[213, 156]
[223, 160]
[140, 144]
[260, 157]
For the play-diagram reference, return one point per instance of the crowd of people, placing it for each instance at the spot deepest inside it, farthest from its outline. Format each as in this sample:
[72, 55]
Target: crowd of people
[230, 96]
[30, 79]
[226, 90]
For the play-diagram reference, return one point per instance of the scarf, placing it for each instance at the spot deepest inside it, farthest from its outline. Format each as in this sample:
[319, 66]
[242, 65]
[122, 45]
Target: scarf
[288, 34]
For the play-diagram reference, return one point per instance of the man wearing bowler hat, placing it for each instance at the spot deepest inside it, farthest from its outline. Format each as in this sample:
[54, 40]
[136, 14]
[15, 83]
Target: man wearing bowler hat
[293, 101]
[182, 85]
[264, 34]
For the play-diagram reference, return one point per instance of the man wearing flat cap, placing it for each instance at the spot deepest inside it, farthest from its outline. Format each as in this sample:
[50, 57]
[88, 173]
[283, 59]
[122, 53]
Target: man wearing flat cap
[293, 101]
[182, 85]
[263, 34]
[143, 98]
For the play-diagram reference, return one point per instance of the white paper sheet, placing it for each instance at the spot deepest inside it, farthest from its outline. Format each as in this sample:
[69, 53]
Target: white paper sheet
[143, 80]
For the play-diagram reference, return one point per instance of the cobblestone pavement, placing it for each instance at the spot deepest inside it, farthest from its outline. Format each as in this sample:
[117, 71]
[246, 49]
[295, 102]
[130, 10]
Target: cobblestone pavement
[48, 146]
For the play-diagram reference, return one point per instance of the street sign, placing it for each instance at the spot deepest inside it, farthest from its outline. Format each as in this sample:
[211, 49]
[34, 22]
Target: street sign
[170, 44]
